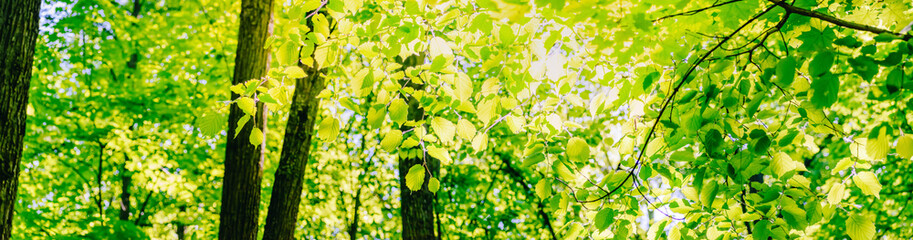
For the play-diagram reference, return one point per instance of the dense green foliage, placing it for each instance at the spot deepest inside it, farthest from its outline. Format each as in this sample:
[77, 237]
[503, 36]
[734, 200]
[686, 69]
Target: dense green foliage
[669, 119]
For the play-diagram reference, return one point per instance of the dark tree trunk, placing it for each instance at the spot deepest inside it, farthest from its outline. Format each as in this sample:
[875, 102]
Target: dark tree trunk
[125, 180]
[18, 33]
[181, 227]
[239, 216]
[528, 191]
[417, 207]
[282, 215]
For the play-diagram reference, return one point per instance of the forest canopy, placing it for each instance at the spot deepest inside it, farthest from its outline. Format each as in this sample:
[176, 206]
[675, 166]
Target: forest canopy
[434, 119]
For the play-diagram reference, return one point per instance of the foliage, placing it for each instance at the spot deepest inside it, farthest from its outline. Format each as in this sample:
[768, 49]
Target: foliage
[596, 119]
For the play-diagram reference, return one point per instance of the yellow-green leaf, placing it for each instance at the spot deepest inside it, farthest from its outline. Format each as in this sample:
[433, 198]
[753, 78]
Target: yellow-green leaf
[782, 164]
[398, 110]
[578, 149]
[843, 164]
[434, 185]
[415, 177]
[465, 129]
[443, 128]
[438, 46]
[877, 148]
[868, 183]
[247, 105]
[543, 189]
[329, 128]
[836, 194]
[905, 147]
[440, 154]
[463, 87]
[256, 136]
[860, 227]
[391, 140]
[294, 72]
[480, 142]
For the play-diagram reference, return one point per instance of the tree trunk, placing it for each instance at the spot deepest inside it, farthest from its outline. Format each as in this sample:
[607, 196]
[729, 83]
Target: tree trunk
[239, 216]
[19, 31]
[125, 180]
[283, 205]
[417, 207]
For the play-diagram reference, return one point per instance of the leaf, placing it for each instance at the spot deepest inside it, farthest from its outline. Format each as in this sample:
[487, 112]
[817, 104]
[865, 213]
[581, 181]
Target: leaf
[821, 63]
[329, 129]
[211, 124]
[543, 189]
[443, 128]
[248, 105]
[782, 164]
[480, 142]
[398, 110]
[434, 185]
[391, 140]
[294, 72]
[256, 137]
[439, 153]
[868, 183]
[438, 46]
[860, 227]
[578, 149]
[905, 147]
[604, 219]
[824, 90]
[287, 54]
[463, 86]
[877, 147]
[786, 71]
[375, 117]
[465, 129]
[506, 34]
[836, 193]
[843, 164]
[415, 177]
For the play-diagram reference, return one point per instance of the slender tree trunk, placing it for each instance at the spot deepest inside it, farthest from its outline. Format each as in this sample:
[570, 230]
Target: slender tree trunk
[417, 207]
[126, 177]
[239, 216]
[282, 215]
[126, 181]
[18, 33]
[530, 194]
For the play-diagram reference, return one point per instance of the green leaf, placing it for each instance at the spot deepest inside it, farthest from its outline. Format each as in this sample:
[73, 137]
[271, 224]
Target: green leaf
[375, 118]
[398, 110]
[248, 105]
[543, 189]
[294, 72]
[391, 140]
[860, 227]
[443, 128]
[415, 177]
[439, 153]
[905, 147]
[821, 63]
[256, 137]
[480, 142]
[465, 129]
[329, 129]
[824, 90]
[506, 34]
[786, 71]
[836, 193]
[843, 164]
[604, 219]
[877, 144]
[578, 149]
[211, 124]
[434, 185]
[868, 183]
[781, 164]
[287, 54]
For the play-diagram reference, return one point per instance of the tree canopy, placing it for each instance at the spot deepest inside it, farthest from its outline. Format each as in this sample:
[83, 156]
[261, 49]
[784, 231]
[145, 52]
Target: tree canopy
[495, 119]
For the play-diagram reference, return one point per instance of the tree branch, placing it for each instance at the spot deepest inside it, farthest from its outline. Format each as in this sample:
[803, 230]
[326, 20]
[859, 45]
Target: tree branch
[696, 11]
[836, 21]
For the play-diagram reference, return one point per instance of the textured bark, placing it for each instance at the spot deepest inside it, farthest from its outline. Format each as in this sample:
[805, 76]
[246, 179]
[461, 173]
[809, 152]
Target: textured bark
[417, 207]
[18, 33]
[239, 216]
[282, 215]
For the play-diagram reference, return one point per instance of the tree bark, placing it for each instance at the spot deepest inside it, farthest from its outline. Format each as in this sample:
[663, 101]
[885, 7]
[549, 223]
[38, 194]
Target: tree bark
[282, 215]
[126, 177]
[239, 216]
[417, 209]
[19, 31]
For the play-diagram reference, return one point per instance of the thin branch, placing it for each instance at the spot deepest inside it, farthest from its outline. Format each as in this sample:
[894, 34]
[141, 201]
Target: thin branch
[836, 21]
[696, 11]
